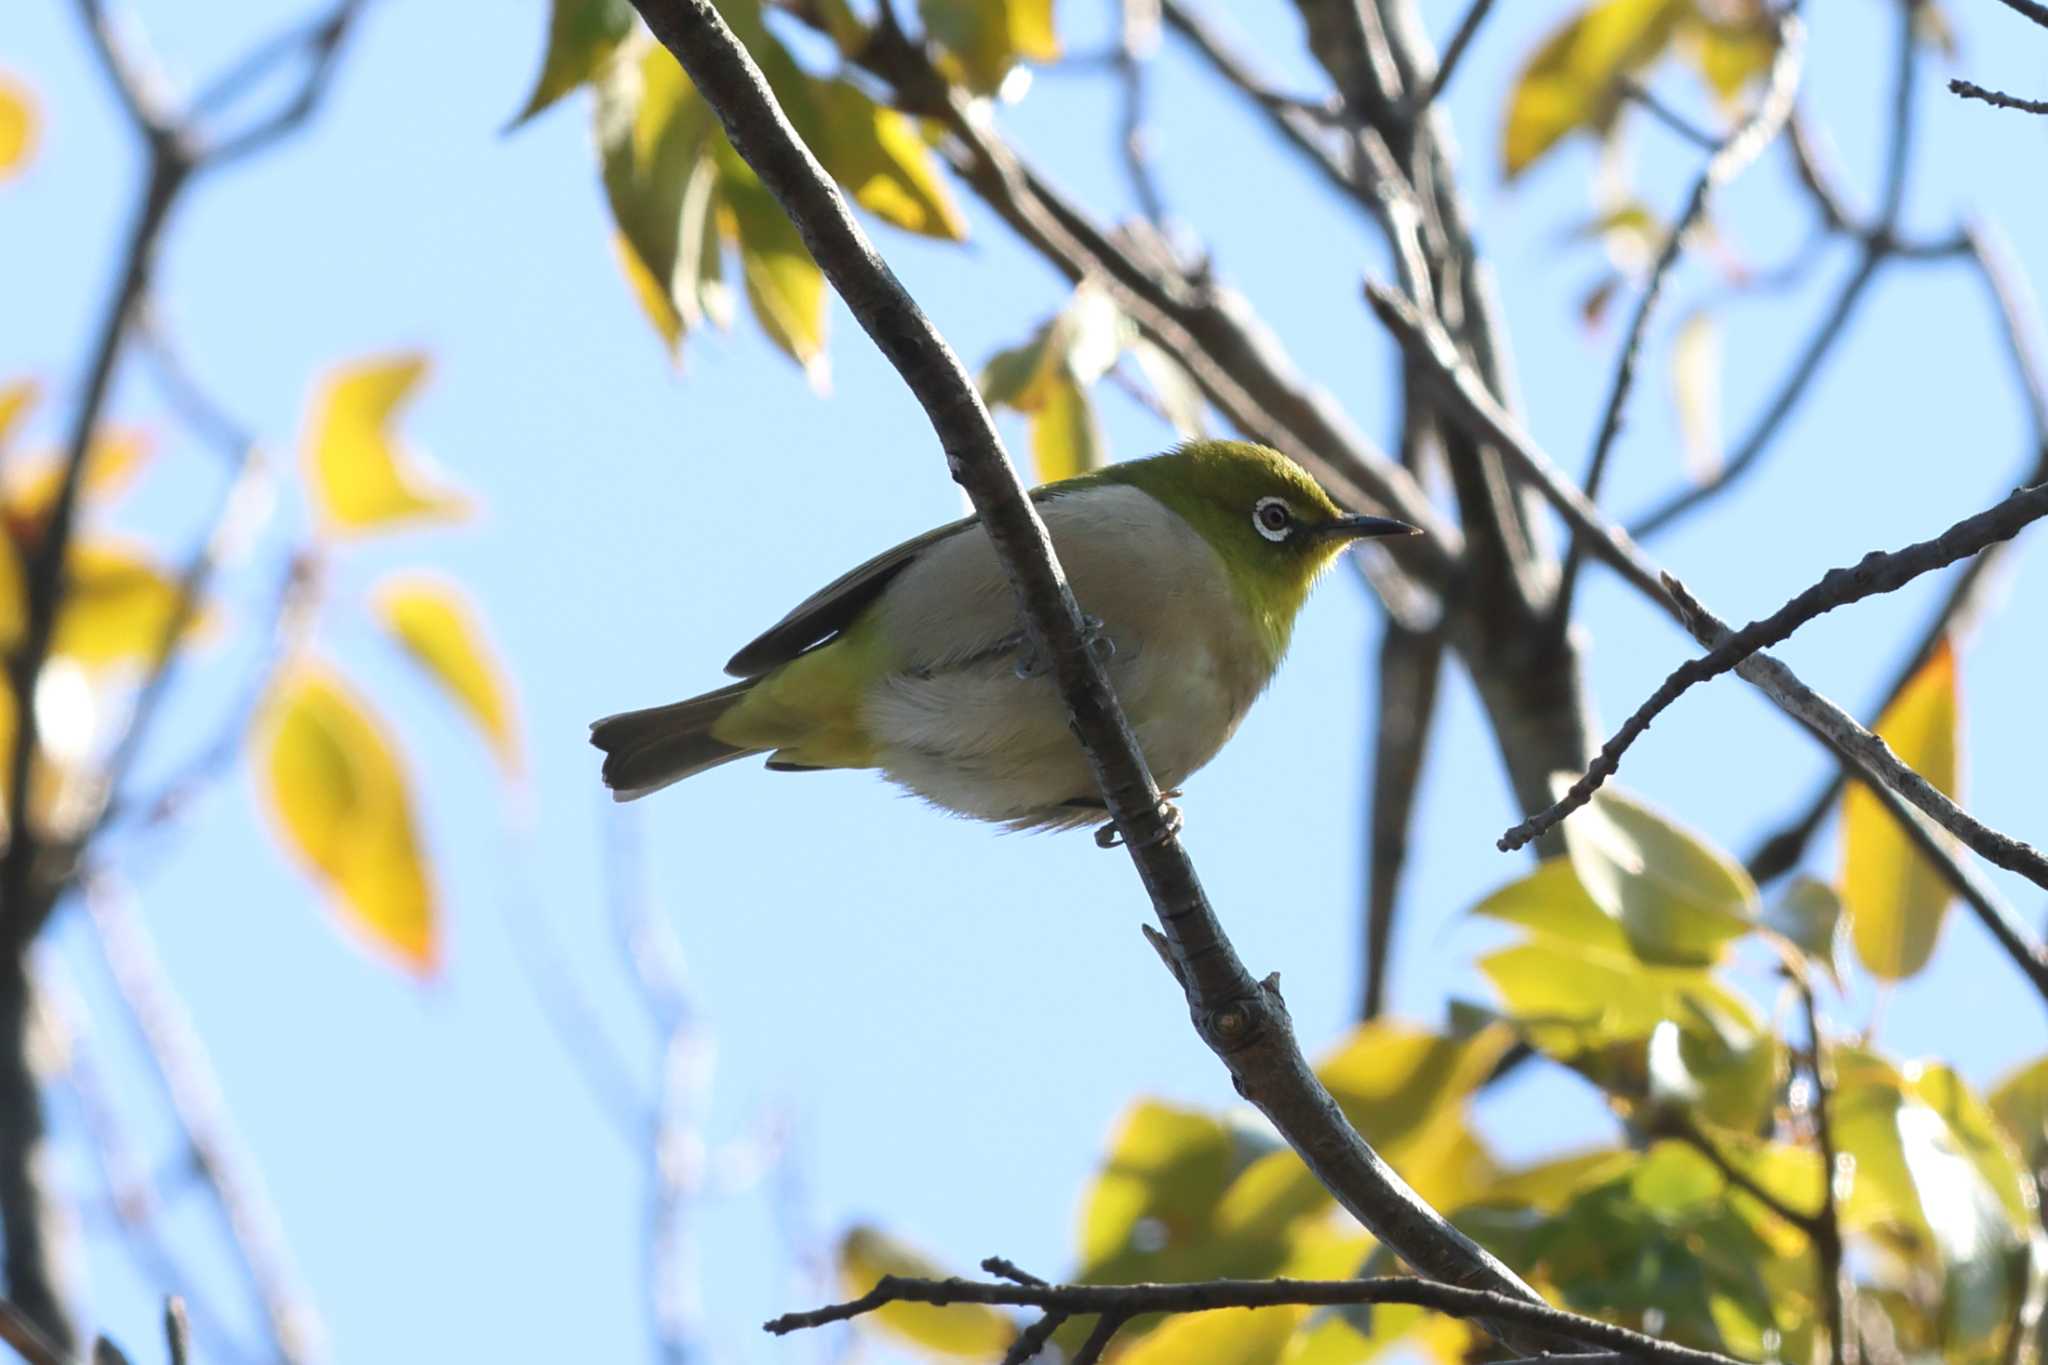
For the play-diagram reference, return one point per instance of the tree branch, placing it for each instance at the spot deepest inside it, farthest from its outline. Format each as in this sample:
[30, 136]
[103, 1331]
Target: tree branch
[1461, 38]
[1244, 1021]
[1410, 663]
[1877, 572]
[1117, 1303]
[1970, 90]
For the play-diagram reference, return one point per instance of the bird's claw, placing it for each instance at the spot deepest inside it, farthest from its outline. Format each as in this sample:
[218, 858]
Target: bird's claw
[1033, 665]
[1170, 823]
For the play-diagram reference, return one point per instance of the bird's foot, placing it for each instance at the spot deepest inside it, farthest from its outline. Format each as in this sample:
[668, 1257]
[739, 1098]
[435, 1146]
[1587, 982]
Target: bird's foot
[1031, 664]
[1170, 823]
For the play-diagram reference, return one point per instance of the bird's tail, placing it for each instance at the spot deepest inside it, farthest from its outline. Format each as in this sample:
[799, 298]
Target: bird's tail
[647, 750]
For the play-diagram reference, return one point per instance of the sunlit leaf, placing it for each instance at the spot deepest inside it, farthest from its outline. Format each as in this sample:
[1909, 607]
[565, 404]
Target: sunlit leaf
[784, 285]
[115, 457]
[436, 626]
[889, 169]
[582, 36]
[1573, 80]
[2021, 1103]
[1677, 898]
[983, 39]
[362, 478]
[1228, 1336]
[1729, 51]
[116, 609]
[332, 781]
[966, 1330]
[1894, 899]
[655, 137]
[1551, 902]
[16, 398]
[17, 126]
[1696, 393]
[1065, 437]
[1165, 1166]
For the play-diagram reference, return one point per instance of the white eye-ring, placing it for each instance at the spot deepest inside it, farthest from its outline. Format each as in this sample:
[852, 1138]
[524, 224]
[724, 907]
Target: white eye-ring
[1273, 518]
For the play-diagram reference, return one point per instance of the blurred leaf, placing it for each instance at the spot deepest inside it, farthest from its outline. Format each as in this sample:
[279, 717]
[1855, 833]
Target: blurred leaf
[361, 478]
[1677, 898]
[784, 285]
[1894, 898]
[1696, 393]
[1931, 1176]
[957, 1330]
[1179, 396]
[332, 781]
[13, 598]
[1573, 80]
[116, 608]
[17, 126]
[878, 155]
[2021, 1103]
[1631, 234]
[115, 457]
[1066, 440]
[1018, 376]
[1167, 1166]
[1717, 1066]
[1732, 51]
[16, 398]
[1547, 1185]
[1933, 27]
[654, 139]
[983, 39]
[1808, 915]
[1551, 902]
[582, 36]
[1226, 1336]
[435, 625]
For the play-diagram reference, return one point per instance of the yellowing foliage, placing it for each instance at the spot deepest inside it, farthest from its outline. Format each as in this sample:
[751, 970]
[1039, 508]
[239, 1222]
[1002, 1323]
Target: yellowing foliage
[332, 782]
[436, 626]
[1894, 899]
[1573, 80]
[117, 608]
[17, 126]
[361, 478]
[967, 1330]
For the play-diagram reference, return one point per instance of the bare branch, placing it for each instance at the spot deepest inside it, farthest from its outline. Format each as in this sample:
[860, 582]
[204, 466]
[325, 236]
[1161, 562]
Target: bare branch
[18, 1330]
[1877, 572]
[1243, 1020]
[1836, 1287]
[1120, 1302]
[1738, 150]
[1137, 40]
[2030, 9]
[1410, 664]
[1461, 38]
[1970, 90]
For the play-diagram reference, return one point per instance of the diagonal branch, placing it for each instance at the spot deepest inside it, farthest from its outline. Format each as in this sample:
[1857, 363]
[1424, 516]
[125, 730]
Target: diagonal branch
[1970, 90]
[1119, 1302]
[1242, 1020]
[1876, 573]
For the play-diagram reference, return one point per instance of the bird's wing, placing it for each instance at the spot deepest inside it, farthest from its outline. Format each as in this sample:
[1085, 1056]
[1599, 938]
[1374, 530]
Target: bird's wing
[833, 607]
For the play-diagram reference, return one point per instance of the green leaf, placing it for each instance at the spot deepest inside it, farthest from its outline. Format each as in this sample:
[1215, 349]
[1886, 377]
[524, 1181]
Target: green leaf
[1677, 898]
[582, 36]
[983, 39]
[1550, 902]
[956, 1331]
[1729, 52]
[1894, 898]
[883, 162]
[1573, 80]
[2021, 1103]
[784, 285]
[1808, 916]
[1696, 393]
[655, 137]
[332, 781]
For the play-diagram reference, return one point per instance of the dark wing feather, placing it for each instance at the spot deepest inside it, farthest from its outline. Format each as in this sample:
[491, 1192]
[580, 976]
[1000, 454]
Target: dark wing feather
[833, 607]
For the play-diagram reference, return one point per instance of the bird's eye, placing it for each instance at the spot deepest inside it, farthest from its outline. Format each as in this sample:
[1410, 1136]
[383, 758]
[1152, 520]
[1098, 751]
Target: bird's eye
[1273, 518]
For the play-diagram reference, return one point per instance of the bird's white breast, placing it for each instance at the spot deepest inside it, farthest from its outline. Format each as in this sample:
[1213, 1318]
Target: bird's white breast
[956, 723]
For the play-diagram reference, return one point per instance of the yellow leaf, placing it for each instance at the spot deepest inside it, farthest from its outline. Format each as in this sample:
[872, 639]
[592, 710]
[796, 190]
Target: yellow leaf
[582, 35]
[1573, 81]
[1894, 899]
[436, 626]
[1730, 53]
[1224, 1336]
[784, 285]
[17, 126]
[15, 401]
[332, 781]
[112, 461]
[13, 595]
[116, 608]
[1065, 438]
[1677, 898]
[957, 1330]
[362, 479]
[878, 155]
[983, 39]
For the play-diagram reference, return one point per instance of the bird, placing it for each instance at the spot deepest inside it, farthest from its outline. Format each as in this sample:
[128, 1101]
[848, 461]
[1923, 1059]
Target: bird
[1189, 567]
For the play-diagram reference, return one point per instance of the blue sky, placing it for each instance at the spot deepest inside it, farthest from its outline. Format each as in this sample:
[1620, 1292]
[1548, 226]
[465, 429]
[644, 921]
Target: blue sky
[943, 1020]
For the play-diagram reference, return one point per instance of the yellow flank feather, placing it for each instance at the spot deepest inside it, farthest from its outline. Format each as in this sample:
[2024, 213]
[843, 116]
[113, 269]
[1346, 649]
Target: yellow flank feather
[809, 710]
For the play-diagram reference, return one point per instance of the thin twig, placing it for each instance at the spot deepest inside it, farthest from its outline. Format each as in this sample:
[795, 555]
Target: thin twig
[1004, 1268]
[1835, 1286]
[177, 1331]
[1137, 41]
[1410, 664]
[2030, 9]
[1106, 1328]
[1731, 155]
[1032, 1339]
[1654, 105]
[1877, 572]
[1127, 1300]
[1970, 90]
[19, 1331]
[1243, 1020]
[1461, 38]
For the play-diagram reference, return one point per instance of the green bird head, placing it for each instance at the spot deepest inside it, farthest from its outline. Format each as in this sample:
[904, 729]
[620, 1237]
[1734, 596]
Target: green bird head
[1273, 526]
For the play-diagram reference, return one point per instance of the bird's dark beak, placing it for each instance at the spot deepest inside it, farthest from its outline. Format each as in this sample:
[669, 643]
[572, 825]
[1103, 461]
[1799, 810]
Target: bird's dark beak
[1359, 527]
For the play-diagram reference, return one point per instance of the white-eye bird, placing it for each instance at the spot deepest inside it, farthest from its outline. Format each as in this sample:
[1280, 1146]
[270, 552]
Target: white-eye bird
[1190, 566]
